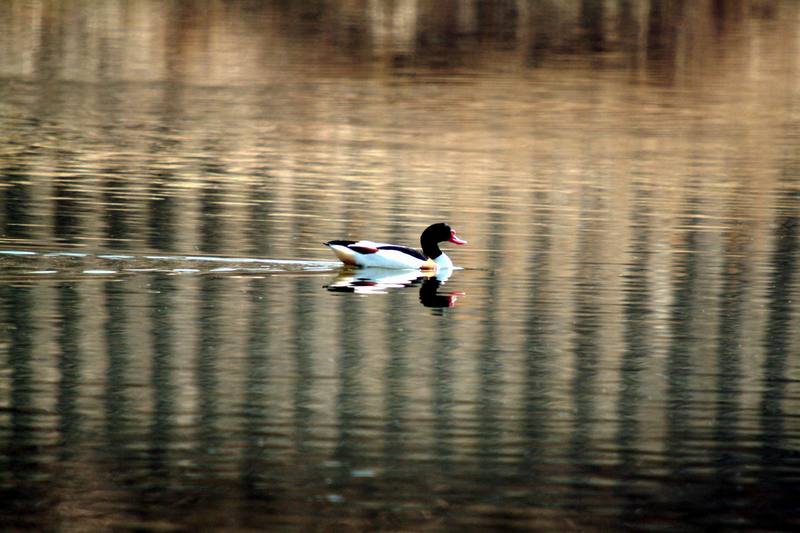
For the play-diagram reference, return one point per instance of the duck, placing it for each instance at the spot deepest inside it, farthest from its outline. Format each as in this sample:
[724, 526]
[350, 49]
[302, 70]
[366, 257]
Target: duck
[382, 255]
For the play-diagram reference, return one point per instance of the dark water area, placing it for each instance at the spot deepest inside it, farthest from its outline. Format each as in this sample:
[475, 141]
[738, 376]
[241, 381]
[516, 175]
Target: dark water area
[620, 349]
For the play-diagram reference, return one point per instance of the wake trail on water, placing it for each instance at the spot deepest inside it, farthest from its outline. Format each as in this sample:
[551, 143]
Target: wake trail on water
[27, 264]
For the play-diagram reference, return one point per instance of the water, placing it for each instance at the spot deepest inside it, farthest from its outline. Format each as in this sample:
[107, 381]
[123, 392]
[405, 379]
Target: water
[178, 351]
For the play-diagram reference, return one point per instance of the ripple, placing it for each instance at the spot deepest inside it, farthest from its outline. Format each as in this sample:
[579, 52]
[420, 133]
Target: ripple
[69, 263]
[17, 252]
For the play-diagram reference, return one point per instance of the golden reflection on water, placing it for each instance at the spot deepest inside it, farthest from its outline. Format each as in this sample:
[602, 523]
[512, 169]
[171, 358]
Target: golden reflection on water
[620, 349]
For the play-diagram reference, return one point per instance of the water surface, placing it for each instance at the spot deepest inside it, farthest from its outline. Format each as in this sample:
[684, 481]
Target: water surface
[620, 350]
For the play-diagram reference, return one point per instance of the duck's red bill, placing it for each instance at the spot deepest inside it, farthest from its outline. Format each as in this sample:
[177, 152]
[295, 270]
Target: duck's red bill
[454, 238]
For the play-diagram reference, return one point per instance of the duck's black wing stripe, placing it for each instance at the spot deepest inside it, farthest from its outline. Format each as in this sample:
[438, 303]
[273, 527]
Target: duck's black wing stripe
[406, 250]
[363, 249]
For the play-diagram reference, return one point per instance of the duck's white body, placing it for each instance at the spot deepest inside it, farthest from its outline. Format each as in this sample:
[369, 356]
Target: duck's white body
[381, 255]
[386, 257]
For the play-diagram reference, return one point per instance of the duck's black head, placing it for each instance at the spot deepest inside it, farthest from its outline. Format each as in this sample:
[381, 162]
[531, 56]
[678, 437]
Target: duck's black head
[436, 233]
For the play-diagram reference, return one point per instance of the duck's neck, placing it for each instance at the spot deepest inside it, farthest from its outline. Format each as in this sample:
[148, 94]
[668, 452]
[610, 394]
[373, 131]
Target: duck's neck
[430, 245]
[431, 249]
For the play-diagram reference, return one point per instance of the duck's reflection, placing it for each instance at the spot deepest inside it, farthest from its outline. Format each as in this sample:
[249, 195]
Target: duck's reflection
[382, 280]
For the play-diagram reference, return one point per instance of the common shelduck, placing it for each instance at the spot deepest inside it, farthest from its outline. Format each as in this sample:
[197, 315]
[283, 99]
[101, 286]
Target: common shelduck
[381, 255]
